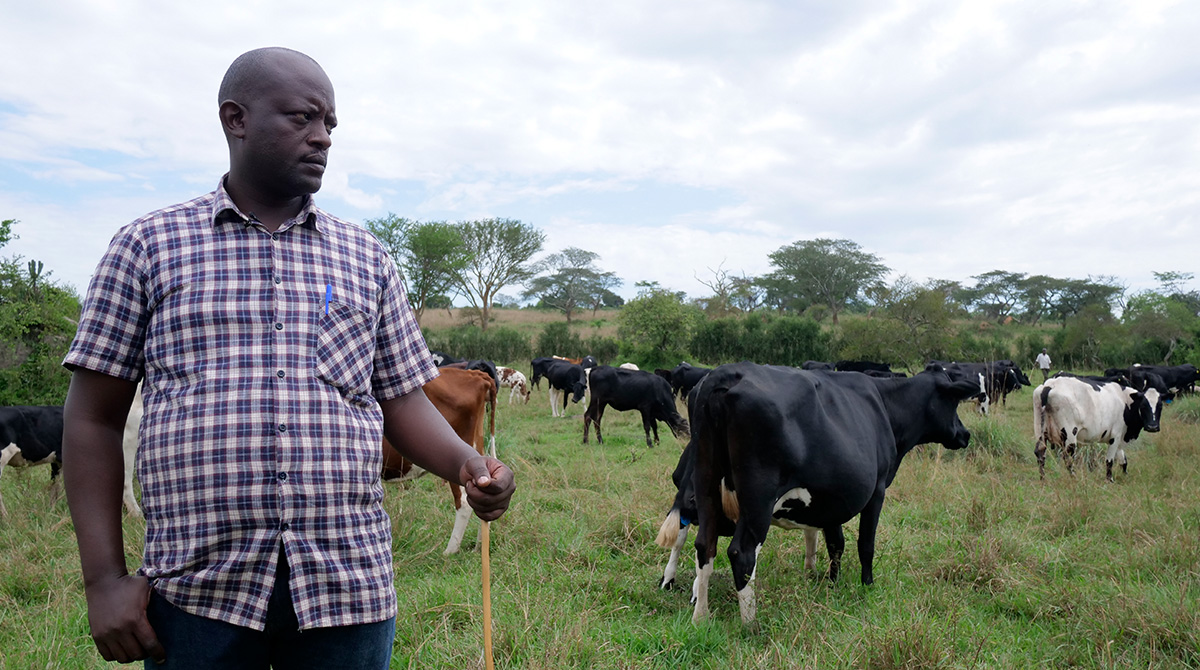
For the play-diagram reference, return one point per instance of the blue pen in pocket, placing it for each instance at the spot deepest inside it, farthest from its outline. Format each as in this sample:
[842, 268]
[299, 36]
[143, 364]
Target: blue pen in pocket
[328, 296]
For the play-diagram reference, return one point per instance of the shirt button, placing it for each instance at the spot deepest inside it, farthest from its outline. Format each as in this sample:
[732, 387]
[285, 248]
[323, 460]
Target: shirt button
[280, 374]
[284, 526]
[278, 326]
[279, 280]
[283, 476]
[283, 427]
[274, 236]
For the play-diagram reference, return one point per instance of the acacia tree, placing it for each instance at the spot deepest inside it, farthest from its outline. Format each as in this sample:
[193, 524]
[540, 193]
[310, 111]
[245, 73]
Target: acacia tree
[427, 253]
[997, 293]
[822, 271]
[498, 253]
[573, 282]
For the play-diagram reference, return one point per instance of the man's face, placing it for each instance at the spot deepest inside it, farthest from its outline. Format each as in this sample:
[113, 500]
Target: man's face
[288, 124]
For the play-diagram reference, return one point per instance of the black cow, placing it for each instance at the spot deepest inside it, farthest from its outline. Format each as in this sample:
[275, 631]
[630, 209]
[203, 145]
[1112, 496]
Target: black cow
[816, 365]
[806, 448]
[1173, 379]
[565, 378]
[861, 366]
[31, 435]
[686, 376]
[976, 373]
[537, 370]
[626, 390]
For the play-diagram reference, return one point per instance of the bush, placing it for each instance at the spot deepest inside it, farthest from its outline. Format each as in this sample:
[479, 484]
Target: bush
[502, 345]
[558, 340]
[760, 337]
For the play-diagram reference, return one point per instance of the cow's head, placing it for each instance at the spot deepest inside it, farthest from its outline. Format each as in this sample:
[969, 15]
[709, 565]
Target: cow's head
[578, 389]
[944, 426]
[1142, 412]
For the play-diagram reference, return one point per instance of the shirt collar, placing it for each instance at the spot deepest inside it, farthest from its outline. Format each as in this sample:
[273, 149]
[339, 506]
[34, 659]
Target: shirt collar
[225, 211]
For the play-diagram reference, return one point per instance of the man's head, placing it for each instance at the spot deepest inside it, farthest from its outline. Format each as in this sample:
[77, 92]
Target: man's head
[277, 110]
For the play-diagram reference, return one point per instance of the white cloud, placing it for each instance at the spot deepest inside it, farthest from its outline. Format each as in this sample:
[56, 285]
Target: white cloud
[948, 138]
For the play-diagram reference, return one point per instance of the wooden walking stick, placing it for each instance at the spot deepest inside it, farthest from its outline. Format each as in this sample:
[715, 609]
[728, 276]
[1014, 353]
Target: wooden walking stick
[487, 600]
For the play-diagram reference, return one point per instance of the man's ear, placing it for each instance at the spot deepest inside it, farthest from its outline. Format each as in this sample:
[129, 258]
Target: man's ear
[233, 119]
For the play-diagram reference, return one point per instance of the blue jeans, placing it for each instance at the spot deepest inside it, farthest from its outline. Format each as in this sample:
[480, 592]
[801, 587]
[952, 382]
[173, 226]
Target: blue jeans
[196, 643]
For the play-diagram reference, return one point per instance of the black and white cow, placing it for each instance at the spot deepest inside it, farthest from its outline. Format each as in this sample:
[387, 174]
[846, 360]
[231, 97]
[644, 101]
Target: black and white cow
[626, 390]
[1069, 410]
[673, 532]
[566, 379]
[803, 448]
[440, 359]
[31, 435]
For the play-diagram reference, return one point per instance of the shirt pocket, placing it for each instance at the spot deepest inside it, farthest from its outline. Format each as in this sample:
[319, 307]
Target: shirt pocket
[345, 350]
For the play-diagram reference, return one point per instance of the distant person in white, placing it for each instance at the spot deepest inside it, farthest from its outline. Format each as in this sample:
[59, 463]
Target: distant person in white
[1043, 363]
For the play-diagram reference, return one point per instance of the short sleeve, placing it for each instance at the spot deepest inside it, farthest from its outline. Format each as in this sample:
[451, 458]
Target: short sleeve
[112, 325]
[402, 360]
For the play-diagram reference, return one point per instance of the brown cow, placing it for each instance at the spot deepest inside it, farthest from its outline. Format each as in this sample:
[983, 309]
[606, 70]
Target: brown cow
[462, 396]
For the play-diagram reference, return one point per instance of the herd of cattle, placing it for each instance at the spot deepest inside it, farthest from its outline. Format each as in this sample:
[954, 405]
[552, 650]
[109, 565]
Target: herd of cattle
[807, 448]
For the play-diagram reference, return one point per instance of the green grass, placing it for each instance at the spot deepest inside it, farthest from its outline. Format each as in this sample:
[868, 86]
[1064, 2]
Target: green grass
[979, 564]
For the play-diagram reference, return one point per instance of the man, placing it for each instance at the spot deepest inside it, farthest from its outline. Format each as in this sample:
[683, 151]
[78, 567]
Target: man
[1043, 363]
[277, 348]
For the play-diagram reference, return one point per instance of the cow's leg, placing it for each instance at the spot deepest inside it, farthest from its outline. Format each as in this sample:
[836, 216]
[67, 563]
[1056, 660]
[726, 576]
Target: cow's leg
[1039, 450]
[588, 416]
[648, 424]
[127, 495]
[461, 516]
[868, 522]
[6, 455]
[835, 544]
[1114, 452]
[706, 532]
[668, 578]
[553, 401]
[55, 489]
[810, 549]
[1069, 444]
[748, 538]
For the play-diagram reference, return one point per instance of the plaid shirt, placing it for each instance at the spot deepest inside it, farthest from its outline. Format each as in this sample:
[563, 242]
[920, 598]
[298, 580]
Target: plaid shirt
[263, 355]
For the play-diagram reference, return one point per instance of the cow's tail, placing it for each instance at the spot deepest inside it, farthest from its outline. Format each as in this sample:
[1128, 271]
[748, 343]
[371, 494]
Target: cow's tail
[729, 501]
[492, 422]
[716, 407]
[668, 533]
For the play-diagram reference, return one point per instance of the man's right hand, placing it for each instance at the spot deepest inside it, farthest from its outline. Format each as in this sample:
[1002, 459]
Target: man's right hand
[117, 616]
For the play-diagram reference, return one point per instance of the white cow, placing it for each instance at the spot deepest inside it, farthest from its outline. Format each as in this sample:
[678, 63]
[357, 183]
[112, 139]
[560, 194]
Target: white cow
[129, 445]
[1068, 410]
[515, 380]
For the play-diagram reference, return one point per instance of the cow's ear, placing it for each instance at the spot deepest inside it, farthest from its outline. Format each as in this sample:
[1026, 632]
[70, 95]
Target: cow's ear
[964, 389]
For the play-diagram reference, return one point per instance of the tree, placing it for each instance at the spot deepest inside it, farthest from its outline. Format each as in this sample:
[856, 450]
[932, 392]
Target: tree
[498, 253]
[997, 293]
[1162, 321]
[38, 318]
[573, 281]
[1081, 294]
[656, 327]
[1040, 294]
[427, 254]
[822, 271]
[723, 286]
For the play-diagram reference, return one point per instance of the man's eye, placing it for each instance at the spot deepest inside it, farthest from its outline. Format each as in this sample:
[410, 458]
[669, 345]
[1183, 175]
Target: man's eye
[302, 116]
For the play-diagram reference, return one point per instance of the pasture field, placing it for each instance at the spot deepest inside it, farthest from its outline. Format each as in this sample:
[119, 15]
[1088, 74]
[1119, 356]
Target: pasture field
[978, 565]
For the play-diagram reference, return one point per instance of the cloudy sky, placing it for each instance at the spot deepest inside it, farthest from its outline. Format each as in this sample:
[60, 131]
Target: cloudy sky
[672, 138]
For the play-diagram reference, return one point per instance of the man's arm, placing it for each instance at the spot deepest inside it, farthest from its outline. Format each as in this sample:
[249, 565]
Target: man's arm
[93, 472]
[418, 431]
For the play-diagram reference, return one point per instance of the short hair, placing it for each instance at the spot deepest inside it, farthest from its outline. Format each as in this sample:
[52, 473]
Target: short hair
[247, 69]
